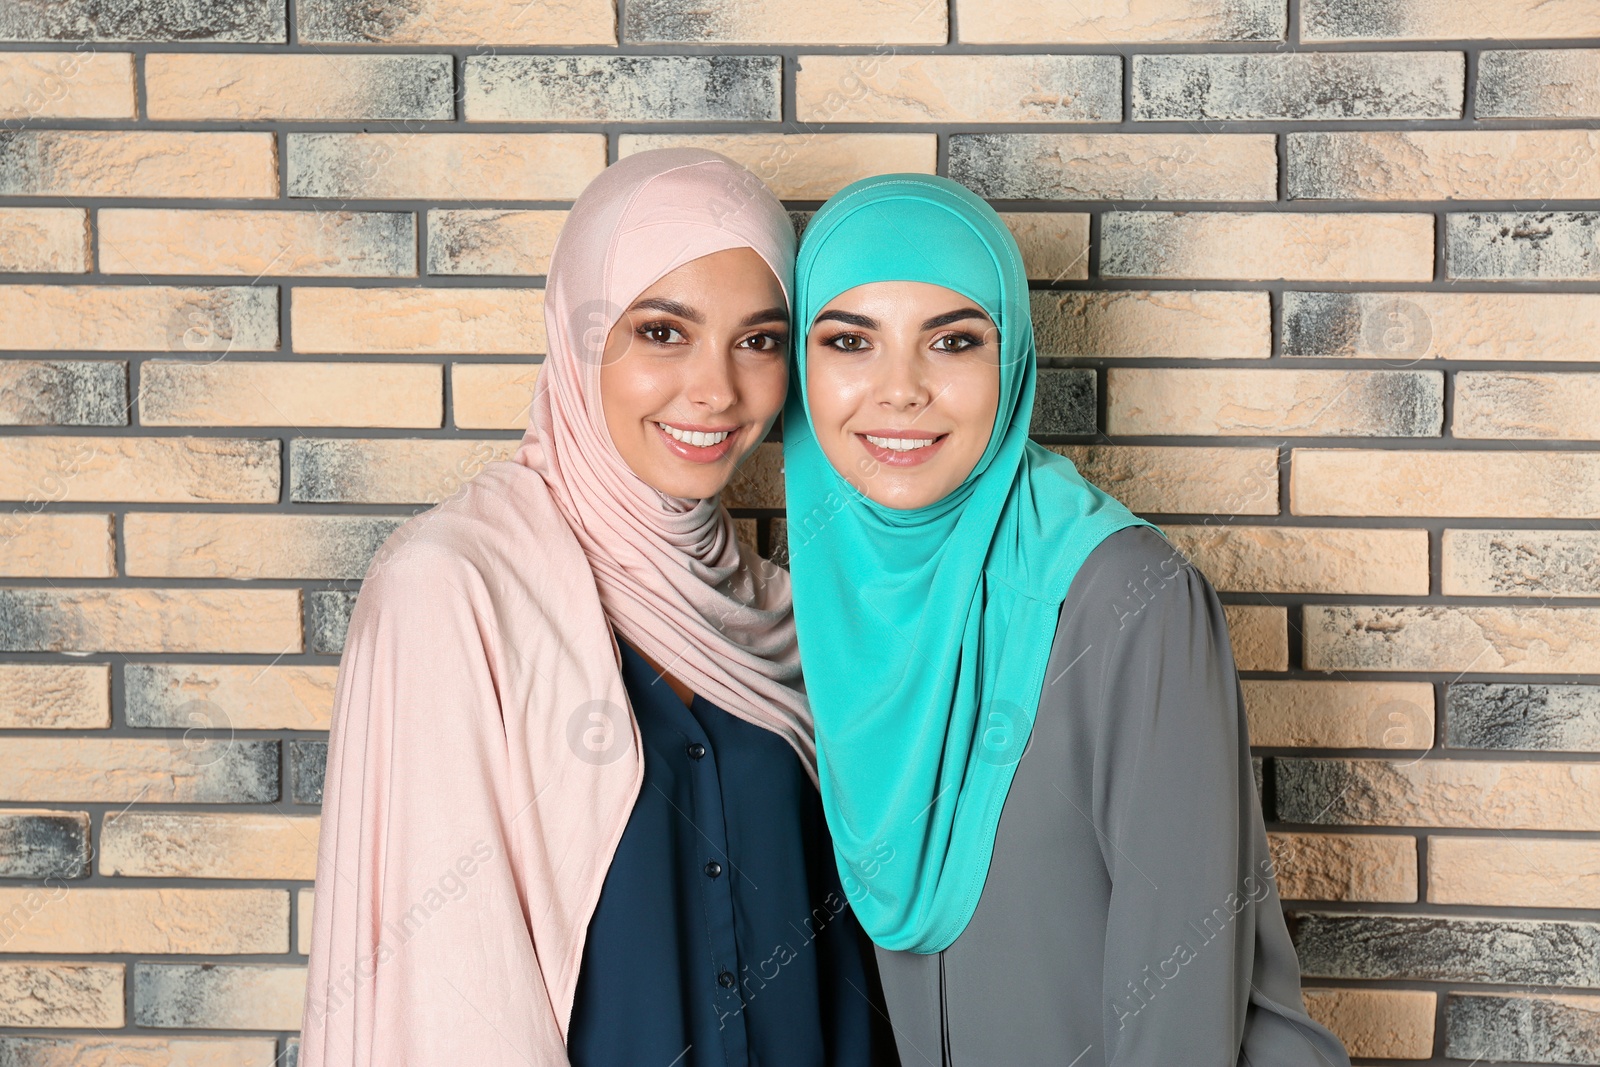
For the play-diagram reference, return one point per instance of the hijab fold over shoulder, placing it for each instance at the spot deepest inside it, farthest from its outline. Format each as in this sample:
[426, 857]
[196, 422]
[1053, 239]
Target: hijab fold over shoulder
[483, 760]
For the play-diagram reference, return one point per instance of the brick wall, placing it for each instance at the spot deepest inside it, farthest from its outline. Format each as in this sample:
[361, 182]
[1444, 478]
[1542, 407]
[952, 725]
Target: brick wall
[1316, 291]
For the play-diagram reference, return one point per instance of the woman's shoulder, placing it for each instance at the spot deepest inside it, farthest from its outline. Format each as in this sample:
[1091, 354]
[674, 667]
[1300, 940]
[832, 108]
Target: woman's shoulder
[1130, 572]
[499, 528]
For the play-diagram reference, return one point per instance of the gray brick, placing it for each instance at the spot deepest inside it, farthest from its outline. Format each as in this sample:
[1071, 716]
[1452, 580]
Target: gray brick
[1358, 19]
[327, 619]
[1065, 402]
[1536, 718]
[1523, 245]
[1115, 166]
[323, 470]
[64, 393]
[624, 88]
[308, 761]
[1522, 562]
[1355, 324]
[1303, 85]
[1555, 83]
[44, 845]
[1440, 949]
[1503, 1027]
[207, 995]
[257, 21]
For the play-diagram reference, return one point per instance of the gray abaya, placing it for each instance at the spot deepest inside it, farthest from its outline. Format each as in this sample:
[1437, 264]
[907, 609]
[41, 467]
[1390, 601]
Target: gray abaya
[1129, 917]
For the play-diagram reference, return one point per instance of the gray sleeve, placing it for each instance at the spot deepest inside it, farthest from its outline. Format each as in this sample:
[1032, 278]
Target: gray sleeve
[1198, 963]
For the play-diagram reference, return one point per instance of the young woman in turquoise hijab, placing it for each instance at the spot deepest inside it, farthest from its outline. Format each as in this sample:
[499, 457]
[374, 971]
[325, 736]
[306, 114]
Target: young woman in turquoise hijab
[1031, 741]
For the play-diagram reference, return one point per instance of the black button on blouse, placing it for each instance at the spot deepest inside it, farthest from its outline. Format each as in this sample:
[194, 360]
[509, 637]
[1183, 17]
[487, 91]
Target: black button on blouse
[722, 936]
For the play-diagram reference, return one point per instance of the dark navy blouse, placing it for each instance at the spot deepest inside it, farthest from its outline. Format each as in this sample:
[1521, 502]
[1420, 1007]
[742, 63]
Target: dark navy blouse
[722, 936]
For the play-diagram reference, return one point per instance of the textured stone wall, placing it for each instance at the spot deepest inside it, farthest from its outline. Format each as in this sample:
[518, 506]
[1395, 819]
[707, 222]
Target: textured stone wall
[1317, 290]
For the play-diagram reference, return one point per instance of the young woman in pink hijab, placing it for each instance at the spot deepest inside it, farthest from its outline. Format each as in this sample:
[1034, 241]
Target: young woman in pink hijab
[570, 813]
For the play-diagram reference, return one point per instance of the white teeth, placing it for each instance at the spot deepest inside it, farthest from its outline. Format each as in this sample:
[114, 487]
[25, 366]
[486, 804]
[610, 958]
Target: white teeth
[899, 444]
[695, 437]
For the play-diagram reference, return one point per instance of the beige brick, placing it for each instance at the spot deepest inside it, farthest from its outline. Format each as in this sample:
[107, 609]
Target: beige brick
[1256, 403]
[492, 396]
[1514, 872]
[146, 163]
[1413, 482]
[1522, 404]
[1116, 166]
[1259, 634]
[487, 241]
[229, 996]
[170, 544]
[1300, 559]
[258, 243]
[1465, 794]
[173, 769]
[1346, 867]
[826, 22]
[63, 619]
[1433, 637]
[55, 696]
[81, 84]
[1400, 326]
[459, 22]
[759, 480]
[1268, 245]
[958, 88]
[1448, 20]
[255, 88]
[1133, 21]
[349, 470]
[61, 994]
[1054, 244]
[139, 318]
[127, 1050]
[44, 240]
[153, 469]
[1548, 563]
[1397, 1023]
[1128, 323]
[58, 545]
[297, 394]
[81, 919]
[279, 696]
[305, 899]
[1182, 480]
[1445, 165]
[805, 166]
[418, 321]
[1553, 83]
[444, 166]
[1291, 713]
[149, 844]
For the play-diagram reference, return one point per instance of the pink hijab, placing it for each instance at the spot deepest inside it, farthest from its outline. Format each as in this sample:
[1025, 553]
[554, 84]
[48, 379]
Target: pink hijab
[482, 760]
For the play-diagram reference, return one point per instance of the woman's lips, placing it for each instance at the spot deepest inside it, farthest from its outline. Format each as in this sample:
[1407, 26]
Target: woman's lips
[902, 457]
[697, 453]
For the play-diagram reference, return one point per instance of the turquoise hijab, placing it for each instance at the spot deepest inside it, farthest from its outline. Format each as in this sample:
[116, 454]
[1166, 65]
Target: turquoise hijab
[924, 633]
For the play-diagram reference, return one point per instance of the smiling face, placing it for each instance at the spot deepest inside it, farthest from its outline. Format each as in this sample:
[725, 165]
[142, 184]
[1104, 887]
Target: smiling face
[903, 383]
[695, 370]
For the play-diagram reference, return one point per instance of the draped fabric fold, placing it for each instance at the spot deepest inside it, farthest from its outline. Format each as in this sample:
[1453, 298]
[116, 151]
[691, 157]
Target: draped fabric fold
[483, 759]
[925, 632]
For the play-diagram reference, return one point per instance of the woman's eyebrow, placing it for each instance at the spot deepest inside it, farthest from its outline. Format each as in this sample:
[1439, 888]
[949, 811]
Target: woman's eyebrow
[671, 307]
[849, 318]
[772, 314]
[954, 316]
